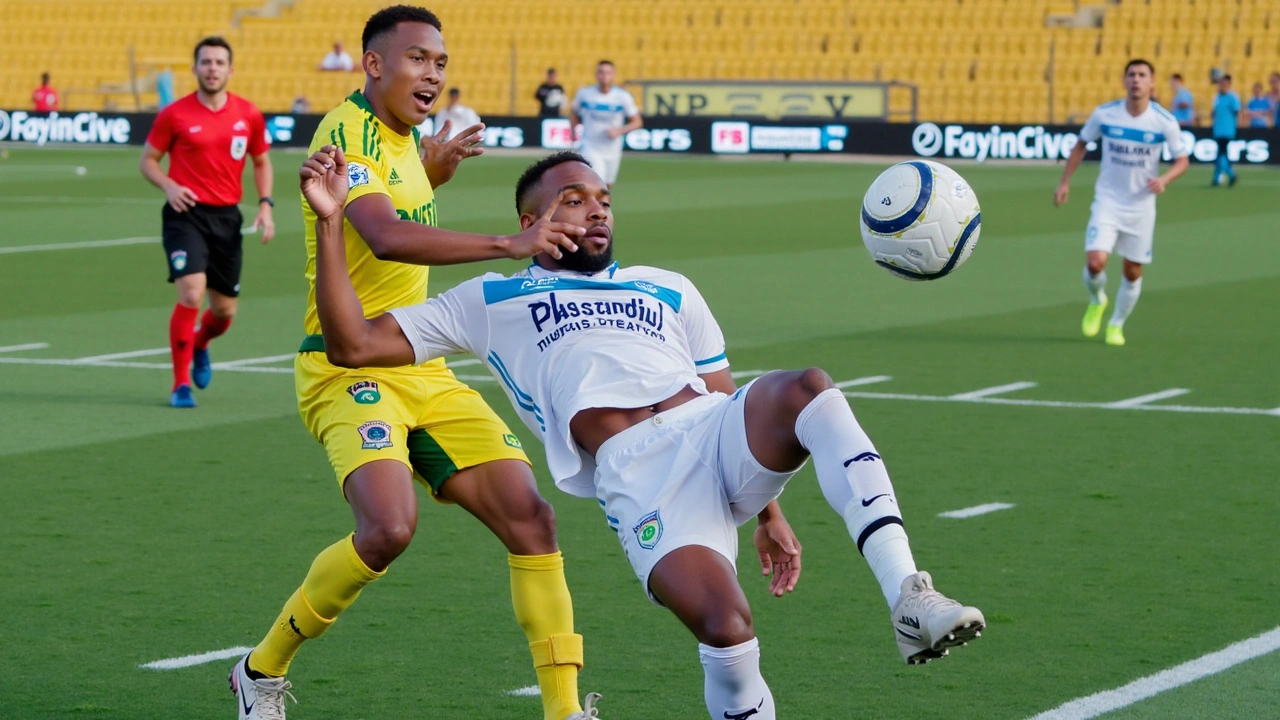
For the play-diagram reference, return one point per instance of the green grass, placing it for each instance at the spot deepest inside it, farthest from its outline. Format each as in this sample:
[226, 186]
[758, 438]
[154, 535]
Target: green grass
[1139, 540]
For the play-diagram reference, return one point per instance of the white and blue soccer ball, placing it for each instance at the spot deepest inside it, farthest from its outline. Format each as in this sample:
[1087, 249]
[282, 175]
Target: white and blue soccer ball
[920, 220]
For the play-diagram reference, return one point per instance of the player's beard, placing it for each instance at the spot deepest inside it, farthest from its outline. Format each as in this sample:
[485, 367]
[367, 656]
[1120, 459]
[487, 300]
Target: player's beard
[212, 89]
[583, 261]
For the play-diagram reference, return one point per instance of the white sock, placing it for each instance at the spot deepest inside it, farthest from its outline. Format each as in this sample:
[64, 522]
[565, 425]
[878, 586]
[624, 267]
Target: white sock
[734, 687]
[1125, 300]
[856, 485]
[1096, 285]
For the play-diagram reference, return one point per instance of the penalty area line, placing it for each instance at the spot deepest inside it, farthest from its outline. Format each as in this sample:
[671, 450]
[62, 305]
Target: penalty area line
[200, 659]
[975, 511]
[1099, 703]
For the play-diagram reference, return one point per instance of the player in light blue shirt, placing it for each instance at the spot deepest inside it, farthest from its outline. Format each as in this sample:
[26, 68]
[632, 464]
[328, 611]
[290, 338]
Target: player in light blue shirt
[1226, 116]
[1259, 108]
[1184, 105]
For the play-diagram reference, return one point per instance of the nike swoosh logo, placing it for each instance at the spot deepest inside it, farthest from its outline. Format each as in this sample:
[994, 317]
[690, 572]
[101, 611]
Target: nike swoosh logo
[868, 501]
[744, 715]
[247, 708]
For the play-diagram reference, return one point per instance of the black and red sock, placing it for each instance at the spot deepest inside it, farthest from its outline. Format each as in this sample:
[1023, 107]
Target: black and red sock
[182, 331]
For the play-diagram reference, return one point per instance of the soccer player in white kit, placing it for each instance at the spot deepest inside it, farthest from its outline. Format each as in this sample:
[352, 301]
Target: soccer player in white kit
[1133, 132]
[607, 113]
[622, 373]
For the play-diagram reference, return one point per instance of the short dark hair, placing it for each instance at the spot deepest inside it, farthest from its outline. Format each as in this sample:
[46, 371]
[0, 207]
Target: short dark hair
[533, 174]
[605, 62]
[386, 19]
[454, 92]
[1176, 76]
[1140, 61]
[550, 70]
[1226, 77]
[212, 41]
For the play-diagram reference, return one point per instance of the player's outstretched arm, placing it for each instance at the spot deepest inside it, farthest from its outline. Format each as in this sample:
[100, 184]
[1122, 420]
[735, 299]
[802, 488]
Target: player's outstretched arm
[349, 339]
[1073, 161]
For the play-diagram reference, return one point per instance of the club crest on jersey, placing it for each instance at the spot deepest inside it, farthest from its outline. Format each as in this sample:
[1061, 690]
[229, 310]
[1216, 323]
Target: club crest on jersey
[512, 441]
[178, 260]
[357, 174]
[239, 146]
[365, 392]
[375, 435]
[649, 530]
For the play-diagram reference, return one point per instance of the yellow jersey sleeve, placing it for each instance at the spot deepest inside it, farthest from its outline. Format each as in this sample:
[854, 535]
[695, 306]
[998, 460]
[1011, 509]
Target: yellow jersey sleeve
[361, 144]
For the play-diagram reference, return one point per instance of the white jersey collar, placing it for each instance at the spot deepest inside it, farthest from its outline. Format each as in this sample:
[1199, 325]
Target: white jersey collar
[537, 271]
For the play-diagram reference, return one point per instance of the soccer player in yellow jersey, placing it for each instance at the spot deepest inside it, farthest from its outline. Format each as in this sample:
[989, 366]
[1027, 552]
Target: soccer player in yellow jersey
[383, 428]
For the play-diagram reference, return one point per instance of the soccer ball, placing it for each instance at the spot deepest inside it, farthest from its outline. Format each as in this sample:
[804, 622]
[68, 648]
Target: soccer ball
[920, 220]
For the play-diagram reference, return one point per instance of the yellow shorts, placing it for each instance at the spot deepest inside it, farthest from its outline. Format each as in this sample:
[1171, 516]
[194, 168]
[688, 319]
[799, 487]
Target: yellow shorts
[422, 416]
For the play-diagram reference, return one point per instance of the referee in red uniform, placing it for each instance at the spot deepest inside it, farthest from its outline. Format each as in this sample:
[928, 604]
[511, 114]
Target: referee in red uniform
[207, 135]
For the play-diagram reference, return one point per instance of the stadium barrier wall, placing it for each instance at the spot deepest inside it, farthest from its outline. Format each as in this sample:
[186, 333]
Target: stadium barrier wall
[687, 135]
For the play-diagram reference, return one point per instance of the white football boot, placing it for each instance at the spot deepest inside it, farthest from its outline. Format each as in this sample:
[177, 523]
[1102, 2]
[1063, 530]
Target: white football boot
[589, 709]
[258, 699]
[926, 623]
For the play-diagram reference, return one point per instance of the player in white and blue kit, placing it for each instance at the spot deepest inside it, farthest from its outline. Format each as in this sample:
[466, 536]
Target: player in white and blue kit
[622, 373]
[607, 113]
[1133, 133]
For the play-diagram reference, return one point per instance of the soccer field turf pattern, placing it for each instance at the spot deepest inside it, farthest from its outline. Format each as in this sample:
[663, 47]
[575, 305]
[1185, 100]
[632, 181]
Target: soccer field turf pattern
[1138, 539]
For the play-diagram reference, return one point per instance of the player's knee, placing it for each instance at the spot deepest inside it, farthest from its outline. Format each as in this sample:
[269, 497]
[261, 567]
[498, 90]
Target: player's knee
[1096, 265]
[1133, 272]
[190, 297]
[807, 385]
[534, 533]
[726, 628]
[384, 541]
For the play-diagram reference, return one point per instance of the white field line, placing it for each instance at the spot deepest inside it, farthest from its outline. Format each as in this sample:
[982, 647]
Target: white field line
[974, 511]
[1092, 706]
[464, 363]
[67, 199]
[1207, 410]
[1153, 397]
[254, 361]
[869, 380]
[739, 374]
[119, 356]
[79, 245]
[27, 346]
[527, 691]
[189, 660]
[997, 390]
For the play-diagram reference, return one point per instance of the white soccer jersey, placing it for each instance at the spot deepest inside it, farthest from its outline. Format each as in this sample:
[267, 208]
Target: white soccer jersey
[563, 342]
[1131, 150]
[600, 111]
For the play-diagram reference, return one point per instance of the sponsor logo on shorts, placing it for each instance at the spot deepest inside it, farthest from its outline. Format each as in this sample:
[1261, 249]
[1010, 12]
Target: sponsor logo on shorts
[178, 260]
[365, 392]
[357, 174]
[513, 441]
[375, 434]
[649, 530]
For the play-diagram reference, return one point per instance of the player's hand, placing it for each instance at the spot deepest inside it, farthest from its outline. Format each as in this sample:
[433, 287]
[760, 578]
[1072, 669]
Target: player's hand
[440, 156]
[323, 178]
[181, 198]
[266, 222]
[1060, 195]
[613, 133]
[779, 551]
[1157, 184]
[545, 236]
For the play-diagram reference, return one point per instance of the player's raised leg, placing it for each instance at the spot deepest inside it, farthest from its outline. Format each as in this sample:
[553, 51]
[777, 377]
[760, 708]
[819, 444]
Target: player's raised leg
[503, 495]
[700, 586]
[793, 414]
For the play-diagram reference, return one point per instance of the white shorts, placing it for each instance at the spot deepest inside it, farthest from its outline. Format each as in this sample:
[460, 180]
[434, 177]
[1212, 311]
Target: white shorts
[604, 162]
[1130, 235]
[684, 477]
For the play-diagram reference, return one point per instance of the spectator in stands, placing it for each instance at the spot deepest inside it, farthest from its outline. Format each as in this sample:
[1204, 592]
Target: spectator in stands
[300, 106]
[1226, 117]
[1259, 110]
[459, 116]
[338, 60]
[45, 97]
[550, 95]
[1183, 105]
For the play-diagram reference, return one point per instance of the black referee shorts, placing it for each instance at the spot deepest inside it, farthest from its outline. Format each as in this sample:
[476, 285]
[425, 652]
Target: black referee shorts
[205, 239]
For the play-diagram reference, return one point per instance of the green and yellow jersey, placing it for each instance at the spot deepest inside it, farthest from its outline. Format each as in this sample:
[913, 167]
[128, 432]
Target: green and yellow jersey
[379, 160]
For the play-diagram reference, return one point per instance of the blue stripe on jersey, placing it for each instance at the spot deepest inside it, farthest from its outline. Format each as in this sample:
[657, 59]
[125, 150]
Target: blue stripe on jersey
[1162, 112]
[603, 107]
[1147, 137]
[523, 399]
[495, 291]
[708, 361]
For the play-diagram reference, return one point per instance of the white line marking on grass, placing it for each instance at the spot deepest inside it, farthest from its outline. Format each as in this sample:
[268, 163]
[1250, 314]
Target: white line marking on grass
[77, 200]
[869, 380]
[1153, 397]
[975, 511]
[189, 660]
[27, 346]
[91, 359]
[254, 361]
[1208, 410]
[739, 374]
[1096, 704]
[78, 245]
[464, 363]
[997, 390]
[528, 691]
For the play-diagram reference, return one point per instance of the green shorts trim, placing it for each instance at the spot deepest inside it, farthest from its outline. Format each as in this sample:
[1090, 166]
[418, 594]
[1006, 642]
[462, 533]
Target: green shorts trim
[429, 460]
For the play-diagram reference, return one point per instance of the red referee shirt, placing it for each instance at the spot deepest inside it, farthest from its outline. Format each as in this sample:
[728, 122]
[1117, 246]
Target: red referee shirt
[45, 99]
[207, 149]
